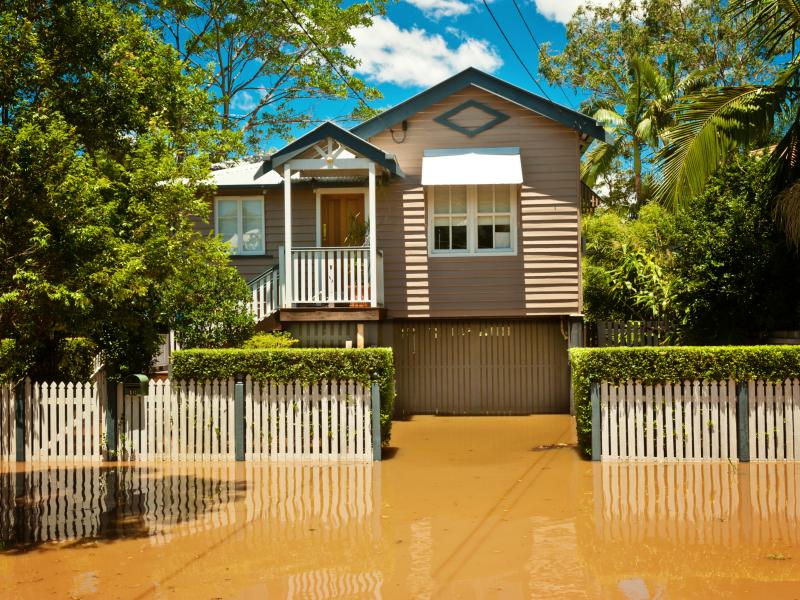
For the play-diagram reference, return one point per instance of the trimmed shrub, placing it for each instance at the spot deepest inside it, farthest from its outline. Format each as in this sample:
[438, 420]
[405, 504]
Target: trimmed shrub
[273, 339]
[672, 363]
[295, 364]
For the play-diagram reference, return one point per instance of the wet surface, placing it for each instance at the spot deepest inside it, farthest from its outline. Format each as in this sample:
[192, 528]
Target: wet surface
[464, 508]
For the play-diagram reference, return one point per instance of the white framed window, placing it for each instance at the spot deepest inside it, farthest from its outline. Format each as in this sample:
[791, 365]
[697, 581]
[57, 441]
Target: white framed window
[240, 223]
[472, 220]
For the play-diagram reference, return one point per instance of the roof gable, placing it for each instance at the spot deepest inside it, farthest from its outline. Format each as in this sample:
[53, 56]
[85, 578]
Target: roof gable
[471, 76]
[343, 136]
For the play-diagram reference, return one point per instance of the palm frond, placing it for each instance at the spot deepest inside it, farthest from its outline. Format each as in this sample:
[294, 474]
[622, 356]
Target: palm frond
[709, 125]
[598, 160]
[772, 23]
[609, 118]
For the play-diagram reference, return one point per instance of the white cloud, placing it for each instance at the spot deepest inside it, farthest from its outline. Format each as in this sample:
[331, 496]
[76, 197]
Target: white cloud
[414, 57]
[562, 10]
[436, 9]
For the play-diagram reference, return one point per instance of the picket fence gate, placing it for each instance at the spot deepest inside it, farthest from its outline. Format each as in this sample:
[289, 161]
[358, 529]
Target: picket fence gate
[696, 420]
[190, 421]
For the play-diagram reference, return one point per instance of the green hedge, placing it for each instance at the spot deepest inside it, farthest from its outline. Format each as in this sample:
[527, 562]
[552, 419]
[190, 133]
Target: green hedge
[273, 339]
[295, 364]
[672, 363]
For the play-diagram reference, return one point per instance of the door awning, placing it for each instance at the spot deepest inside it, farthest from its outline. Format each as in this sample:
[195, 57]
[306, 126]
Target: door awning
[471, 166]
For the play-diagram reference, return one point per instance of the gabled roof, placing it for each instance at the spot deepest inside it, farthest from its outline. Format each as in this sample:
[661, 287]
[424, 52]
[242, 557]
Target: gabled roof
[471, 76]
[343, 136]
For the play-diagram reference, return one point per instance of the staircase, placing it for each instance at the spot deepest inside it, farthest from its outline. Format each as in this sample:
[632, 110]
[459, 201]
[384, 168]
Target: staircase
[265, 290]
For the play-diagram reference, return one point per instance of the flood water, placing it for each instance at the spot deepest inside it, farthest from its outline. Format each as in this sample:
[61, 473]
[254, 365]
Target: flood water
[463, 508]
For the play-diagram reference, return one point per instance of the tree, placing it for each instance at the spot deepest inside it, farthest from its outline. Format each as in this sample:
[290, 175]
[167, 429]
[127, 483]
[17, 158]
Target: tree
[265, 60]
[735, 278]
[720, 124]
[104, 147]
[681, 44]
[636, 120]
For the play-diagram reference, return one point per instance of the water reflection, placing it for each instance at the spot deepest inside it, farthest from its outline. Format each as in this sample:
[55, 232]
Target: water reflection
[714, 503]
[103, 502]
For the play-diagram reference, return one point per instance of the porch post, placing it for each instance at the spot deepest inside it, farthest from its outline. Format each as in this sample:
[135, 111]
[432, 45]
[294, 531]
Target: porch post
[287, 234]
[373, 244]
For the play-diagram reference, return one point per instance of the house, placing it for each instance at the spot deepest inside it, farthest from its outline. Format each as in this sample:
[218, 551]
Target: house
[446, 227]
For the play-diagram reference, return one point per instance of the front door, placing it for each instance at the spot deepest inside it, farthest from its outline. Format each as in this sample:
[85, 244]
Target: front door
[342, 220]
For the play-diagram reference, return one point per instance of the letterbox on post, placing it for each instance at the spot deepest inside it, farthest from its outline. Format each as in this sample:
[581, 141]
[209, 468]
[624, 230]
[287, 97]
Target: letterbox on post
[135, 385]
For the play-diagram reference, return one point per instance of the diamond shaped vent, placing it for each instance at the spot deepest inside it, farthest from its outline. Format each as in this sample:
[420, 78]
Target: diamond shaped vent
[493, 118]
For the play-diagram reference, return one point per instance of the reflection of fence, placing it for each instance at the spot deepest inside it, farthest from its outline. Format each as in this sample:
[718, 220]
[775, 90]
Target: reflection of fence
[632, 333]
[188, 420]
[697, 420]
[698, 503]
[278, 502]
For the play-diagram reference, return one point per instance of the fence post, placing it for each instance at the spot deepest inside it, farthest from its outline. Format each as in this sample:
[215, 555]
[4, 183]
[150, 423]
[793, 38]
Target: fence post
[594, 397]
[376, 418]
[238, 416]
[742, 417]
[112, 418]
[19, 401]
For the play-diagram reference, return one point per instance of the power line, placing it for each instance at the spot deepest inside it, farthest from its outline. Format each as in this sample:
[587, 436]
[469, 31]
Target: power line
[514, 50]
[324, 54]
[538, 47]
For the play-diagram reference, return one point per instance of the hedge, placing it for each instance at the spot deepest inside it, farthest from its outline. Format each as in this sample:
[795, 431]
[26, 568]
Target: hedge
[672, 363]
[295, 364]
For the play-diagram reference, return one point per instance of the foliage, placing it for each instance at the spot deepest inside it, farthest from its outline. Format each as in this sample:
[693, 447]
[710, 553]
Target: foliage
[295, 364]
[75, 358]
[12, 365]
[672, 363]
[713, 123]
[104, 146]
[626, 265]
[736, 277]
[260, 65]
[273, 339]
[636, 58]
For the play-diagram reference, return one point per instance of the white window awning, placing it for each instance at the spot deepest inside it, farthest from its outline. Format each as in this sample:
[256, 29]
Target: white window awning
[471, 166]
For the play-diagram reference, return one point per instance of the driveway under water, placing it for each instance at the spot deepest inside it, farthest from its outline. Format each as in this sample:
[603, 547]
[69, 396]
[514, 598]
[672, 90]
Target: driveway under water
[466, 507]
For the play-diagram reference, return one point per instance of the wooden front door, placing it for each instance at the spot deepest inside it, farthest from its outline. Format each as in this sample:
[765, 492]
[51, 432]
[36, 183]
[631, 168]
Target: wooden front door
[342, 220]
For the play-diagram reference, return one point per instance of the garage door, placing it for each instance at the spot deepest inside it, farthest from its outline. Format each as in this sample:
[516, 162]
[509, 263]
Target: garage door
[481, 367]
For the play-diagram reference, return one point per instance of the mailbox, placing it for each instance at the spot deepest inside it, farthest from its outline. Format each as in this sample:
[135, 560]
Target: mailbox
[136, 384]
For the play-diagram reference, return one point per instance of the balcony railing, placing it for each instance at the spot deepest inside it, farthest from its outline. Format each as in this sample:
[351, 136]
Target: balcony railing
[332, 276]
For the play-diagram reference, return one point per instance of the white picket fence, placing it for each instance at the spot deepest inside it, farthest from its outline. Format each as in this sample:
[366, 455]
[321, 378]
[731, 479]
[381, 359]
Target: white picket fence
[320, 421]
[697, 420]
[191, 421]
[182, 421]
[64, 421]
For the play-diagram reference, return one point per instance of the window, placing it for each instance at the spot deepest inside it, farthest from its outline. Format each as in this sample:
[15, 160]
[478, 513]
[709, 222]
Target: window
[240, 223]
[473, 219]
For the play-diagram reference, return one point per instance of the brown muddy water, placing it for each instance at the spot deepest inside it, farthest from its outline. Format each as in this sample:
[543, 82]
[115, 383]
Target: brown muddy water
[463, 508]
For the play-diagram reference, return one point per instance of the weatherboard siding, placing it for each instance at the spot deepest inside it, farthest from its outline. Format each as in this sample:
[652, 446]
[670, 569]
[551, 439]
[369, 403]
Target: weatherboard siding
[542, 279]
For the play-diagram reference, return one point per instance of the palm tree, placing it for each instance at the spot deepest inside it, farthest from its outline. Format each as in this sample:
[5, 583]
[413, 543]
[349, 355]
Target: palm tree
[712, 124]
[636, 119]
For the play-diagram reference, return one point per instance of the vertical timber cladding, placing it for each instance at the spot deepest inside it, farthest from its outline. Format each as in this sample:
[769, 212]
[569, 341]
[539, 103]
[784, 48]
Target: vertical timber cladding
[500, 367]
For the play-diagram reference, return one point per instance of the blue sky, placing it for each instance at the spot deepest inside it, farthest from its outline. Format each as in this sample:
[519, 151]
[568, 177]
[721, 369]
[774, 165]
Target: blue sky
[420, 42]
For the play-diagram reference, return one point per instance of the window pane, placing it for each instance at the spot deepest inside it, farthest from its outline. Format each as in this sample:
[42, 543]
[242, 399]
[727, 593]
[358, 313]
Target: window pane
[502, 198]
[459, 237]
[252, 236]
[485, 228]
[458, 199]
[502, 232]
[227, 222]
[485, 199]
[441, 234]
[441, 200]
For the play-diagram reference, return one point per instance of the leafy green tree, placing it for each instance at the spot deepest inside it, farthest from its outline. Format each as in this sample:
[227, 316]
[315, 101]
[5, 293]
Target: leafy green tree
[263, 57]
[104, 147]
[719, 124]
[735, 278]
[635, 58]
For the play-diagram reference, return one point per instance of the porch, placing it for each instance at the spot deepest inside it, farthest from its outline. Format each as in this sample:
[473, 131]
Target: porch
[340, 277]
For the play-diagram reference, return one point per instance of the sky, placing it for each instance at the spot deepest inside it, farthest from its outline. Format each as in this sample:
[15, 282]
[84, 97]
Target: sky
[421, 42]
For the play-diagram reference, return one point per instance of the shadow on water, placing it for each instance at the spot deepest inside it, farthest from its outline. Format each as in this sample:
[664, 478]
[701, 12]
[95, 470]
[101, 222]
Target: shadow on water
[88, 504]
